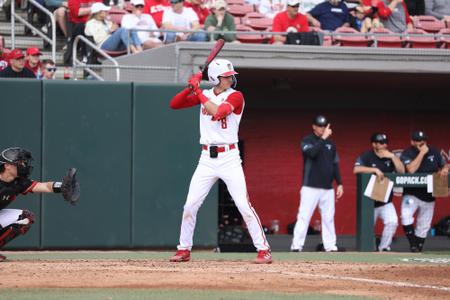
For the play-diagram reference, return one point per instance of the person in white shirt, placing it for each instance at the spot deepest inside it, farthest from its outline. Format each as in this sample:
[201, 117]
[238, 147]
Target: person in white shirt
[179, 17]
[271, 7]
[138, 20]
[107, 35]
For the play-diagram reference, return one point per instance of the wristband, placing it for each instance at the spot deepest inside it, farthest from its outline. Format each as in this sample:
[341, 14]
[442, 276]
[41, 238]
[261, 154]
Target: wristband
[57, 187]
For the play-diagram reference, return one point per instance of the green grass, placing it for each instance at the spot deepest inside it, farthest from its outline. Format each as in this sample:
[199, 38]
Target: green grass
[139, 294]
[367, 257]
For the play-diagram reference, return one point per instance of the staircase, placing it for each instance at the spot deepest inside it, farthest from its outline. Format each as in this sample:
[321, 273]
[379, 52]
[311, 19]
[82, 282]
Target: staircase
[23, 41]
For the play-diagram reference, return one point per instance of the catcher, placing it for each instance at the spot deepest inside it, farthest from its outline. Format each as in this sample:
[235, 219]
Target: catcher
[15, 169]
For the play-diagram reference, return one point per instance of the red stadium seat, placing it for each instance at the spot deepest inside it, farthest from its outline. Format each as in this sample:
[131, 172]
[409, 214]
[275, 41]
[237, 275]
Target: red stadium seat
[418, 38]
[446, 21]
[237, 20]
[384, 38]
[254, 15]
[352, 37]
[249, 38]
[235, 2]
[240, 10]
[259, 24]
[445, 38]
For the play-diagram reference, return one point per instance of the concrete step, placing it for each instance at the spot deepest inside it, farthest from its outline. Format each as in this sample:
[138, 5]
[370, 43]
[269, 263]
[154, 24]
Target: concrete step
[21, 13]
[23, 42]
[5, 28]
[48, 55]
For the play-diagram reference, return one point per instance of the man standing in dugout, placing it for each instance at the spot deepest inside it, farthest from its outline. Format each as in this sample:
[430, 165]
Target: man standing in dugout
[320, 168]
[378, 161]
[420, 158]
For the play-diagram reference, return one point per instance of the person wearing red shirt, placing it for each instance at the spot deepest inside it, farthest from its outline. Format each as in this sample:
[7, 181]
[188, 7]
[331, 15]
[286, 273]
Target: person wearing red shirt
[33, 61]
[289, 20]
[201, 11]
[156, 8]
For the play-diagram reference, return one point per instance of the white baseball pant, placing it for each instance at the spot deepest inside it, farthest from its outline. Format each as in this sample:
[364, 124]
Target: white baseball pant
[389, 217]
[227, 166]
[10, 216]
[425, 211]
[310, 198]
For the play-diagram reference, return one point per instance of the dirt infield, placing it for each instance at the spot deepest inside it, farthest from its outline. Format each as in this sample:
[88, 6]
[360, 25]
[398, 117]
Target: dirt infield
[388, 281]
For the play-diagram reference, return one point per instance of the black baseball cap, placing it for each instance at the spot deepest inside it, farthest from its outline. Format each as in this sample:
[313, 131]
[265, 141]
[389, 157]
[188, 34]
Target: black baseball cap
[418, 136]
[320, 120]
[379, 138]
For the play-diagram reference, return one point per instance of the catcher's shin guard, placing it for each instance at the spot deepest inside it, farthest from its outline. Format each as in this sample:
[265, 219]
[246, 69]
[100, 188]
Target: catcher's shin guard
[22, 226]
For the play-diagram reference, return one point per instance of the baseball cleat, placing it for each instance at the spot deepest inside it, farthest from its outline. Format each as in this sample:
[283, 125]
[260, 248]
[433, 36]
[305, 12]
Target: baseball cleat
[264, 257]
[181, 256]
[2, 258]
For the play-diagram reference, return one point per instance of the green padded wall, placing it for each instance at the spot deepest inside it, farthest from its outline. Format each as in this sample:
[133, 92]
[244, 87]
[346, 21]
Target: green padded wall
[20, 125]
[166, 152]
[88, 125]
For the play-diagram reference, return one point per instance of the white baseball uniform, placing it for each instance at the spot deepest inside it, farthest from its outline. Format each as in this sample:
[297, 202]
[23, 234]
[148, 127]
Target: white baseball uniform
[227, 166]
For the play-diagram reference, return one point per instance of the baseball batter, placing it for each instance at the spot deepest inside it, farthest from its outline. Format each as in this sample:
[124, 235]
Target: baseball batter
[320, 168]
[221, 110]
[419, 158]
[378, 161]
[15, 169]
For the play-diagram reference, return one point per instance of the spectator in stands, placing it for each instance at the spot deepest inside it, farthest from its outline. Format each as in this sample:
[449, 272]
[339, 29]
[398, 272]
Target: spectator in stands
[79, 11]
[270, 8]
[156, 9]
[394, 15]
[361, 22]
[137, 19]
[16, 68]
[289, 20]
[48, 69]
[59, 9]
[200, 9]
[179, 17]
[330, 14]
[307, 5]
[107, 35]
[4, 61]
[33, 61]
[437, 8]
[416, 7]
[221, 20]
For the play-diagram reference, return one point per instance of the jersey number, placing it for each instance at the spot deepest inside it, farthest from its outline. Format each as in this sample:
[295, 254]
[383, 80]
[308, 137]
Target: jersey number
[223, 123]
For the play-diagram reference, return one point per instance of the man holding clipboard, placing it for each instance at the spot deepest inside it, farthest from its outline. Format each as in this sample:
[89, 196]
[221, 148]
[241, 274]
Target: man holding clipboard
[378, 161]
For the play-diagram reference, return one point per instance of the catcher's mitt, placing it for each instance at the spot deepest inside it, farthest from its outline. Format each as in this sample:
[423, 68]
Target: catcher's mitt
[70, 187]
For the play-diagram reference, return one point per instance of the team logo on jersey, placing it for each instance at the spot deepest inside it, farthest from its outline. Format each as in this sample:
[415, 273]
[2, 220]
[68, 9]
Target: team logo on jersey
[387, 163]
[431, 158]
[328, 146]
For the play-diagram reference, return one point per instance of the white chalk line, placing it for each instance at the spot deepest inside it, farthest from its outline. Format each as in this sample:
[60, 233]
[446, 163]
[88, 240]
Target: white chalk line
[376, 281]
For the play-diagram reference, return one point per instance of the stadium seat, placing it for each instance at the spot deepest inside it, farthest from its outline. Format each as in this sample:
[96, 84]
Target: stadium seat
[446, 21]
[249, 38]
[259, 24]
[116, 15]
[445, 38]
[384, 38]
[428, 23]
[240, 10]
[235, 2]
[254, 15]
[418, 38]
[352, 37]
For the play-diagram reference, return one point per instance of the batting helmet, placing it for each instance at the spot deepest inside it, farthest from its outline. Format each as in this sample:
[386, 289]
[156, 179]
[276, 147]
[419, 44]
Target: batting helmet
[220, 67]
[20, 157]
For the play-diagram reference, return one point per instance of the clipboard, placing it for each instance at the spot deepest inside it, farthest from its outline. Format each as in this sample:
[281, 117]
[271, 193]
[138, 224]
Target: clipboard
[379, 190]
[440, 186]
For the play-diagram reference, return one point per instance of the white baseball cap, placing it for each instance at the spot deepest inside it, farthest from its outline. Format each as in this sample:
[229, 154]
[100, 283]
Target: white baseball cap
[293, 2]
[98, 7]
[137, 2]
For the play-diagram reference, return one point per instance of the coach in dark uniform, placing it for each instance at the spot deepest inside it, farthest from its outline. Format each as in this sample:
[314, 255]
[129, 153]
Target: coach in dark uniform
[420, 158]
[378, 161]
[320, 168]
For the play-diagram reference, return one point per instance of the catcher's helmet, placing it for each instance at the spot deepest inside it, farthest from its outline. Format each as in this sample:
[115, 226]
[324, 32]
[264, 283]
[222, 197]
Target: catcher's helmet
[220, 67]
[20, 157]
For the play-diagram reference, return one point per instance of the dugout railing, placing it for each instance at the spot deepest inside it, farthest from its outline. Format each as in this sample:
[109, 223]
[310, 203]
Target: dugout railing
[365, 234]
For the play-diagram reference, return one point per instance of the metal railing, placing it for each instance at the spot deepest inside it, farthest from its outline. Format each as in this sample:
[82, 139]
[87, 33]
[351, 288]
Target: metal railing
[15, 16]
[77, 63]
